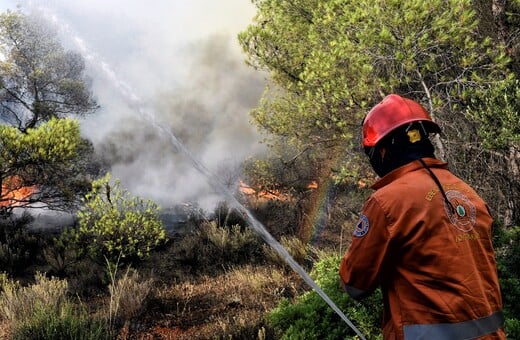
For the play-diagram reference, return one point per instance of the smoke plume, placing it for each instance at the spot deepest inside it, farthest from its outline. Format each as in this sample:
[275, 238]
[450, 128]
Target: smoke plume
[208, 113]
[183, 61]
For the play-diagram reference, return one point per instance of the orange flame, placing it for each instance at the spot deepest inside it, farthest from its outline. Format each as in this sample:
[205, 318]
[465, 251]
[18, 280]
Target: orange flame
[262, 195]
[258, 195]
[14, 192]
[313, 185]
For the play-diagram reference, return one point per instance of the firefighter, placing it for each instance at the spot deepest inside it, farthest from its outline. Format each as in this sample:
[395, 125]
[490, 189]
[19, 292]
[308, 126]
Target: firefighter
[424, 236]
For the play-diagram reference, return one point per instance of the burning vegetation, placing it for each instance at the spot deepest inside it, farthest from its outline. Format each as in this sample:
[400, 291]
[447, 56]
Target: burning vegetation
[15, 193]
[258, 195]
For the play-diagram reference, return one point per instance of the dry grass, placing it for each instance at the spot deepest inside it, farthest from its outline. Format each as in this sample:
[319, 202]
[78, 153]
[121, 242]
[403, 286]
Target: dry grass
[294, 246]
[17, 303]
[5, 329]
[230, 305]
[204, 291]
[228, 239]
[127, 295]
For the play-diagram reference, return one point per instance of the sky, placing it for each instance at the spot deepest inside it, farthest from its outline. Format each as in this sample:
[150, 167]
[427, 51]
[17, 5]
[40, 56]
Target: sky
[167, 65]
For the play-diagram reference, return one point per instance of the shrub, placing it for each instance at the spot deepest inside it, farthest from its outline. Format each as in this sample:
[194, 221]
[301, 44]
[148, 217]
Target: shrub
[295, 247]
[67, 323]
[58, 255]
[232, 245]
[225, 216]
[17, 303]
[127, 295]
[230, 240]
[310, 317]
[507, 245]
[211, 248]
[115, 225]
[279, 217]
[42, 311]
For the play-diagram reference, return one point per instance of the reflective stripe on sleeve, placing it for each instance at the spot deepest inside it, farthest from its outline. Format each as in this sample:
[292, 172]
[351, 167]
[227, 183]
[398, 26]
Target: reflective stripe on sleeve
[457, 331]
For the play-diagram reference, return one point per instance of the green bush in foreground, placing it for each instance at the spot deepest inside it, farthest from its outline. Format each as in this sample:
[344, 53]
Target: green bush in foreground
[507, 246]
[115, 225]
[310, 317]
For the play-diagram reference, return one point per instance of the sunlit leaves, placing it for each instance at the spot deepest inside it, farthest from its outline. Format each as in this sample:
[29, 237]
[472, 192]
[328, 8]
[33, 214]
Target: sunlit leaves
[116, 225]
[53, 142]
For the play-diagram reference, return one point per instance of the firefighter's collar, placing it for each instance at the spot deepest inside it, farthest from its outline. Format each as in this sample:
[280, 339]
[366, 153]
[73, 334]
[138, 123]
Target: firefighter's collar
[412, 166]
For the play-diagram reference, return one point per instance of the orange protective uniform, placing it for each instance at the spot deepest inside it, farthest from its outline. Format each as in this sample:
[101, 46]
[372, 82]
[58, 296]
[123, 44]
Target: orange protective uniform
[436, 268]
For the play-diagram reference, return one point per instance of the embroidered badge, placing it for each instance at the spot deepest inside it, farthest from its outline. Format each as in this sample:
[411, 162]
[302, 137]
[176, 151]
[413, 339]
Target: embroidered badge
[464, 216]
[362, 226]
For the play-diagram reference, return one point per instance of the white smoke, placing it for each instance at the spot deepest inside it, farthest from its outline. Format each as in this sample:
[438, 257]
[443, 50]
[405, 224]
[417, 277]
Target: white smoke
[209, 114]
[183, 62]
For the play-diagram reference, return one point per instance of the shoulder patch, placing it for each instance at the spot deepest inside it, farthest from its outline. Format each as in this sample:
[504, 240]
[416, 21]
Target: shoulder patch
[362, 226]
[464, 217]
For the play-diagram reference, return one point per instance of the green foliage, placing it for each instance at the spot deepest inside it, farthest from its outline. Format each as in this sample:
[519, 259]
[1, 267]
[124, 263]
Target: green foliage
[310, 317]
[55, 141]
[507, 247]
[212, 247]
[497, 111]
[42, 311]
[232, 244]
[512, 328]
[115, 225]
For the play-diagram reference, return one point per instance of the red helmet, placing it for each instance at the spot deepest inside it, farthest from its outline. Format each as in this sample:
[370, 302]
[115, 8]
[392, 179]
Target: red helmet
[392, 112]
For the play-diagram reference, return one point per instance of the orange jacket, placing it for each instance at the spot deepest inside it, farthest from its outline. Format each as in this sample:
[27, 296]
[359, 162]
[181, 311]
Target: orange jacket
[436, 269]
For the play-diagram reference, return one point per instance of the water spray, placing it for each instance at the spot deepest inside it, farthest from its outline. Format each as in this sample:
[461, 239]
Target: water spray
[127, 92]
